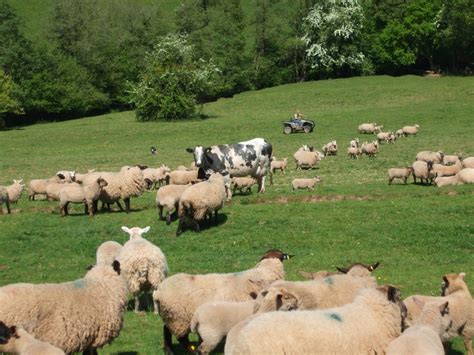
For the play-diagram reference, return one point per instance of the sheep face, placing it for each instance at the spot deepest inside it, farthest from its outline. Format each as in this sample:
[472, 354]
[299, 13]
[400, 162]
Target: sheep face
[451, 283]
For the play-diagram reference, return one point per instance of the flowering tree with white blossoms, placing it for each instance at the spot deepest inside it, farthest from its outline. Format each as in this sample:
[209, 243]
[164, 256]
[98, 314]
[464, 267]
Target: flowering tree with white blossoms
[332, 32]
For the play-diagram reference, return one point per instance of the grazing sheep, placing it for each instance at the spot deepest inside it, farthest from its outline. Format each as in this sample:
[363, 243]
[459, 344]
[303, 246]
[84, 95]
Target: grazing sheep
[369, 128]
[241, 183]
[370, 149]
[143, 264]
[305, 183]
[426, 156]
[451, 159]
[461, 308]
[424, 337]
[447, 180]
[399, 173]
[354, 152]
[69, 176]
[385, 136]
[410, 130]
[179, 296]
[365, 326]
[278, 165]
[468, 162]
[213, 320]
[183, 177]
[334, 290]
[156, 176]
[423, 171]
[354, 143]
[85, 314]
[201, 200]
[168, 197]
[87, 193]
[330, 148]
[53, 188]
[399, 133]
[466, 176]
[4, 199]
[17, 340]
[447, 170]
[107, 252]
[38, 186]
[306, 159]
[14, 190]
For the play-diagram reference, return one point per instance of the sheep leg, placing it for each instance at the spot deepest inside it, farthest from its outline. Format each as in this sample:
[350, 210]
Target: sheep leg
[184, 341]
[168, 218]
[216, 218]
[155, 306]
[181, 224]
[468, 344]
[127, 204]
[86, 208]
[137, 302]
[120, 205]
[196, 226]
[167, 340]
[160, 212]
[7, 202]
[90, 352]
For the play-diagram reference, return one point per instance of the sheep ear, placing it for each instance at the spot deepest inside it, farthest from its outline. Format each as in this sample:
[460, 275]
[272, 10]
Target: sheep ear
[393, 294]
[253, 295]
[126, 229]
[279, 301]
[116, 266]
[146, 229]
[444, 308]
[462, 275]
[343, 270]
[373, 266]
[89, 267]
[61, 176]
[419, 303]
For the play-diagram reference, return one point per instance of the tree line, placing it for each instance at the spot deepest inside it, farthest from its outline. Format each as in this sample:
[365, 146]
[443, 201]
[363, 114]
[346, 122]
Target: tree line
[97, 56]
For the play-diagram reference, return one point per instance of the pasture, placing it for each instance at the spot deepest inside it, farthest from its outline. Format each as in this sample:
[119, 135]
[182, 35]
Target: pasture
[418, 233]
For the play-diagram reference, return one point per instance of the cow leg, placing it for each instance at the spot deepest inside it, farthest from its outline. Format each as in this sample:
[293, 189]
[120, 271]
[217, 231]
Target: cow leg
[261, 184]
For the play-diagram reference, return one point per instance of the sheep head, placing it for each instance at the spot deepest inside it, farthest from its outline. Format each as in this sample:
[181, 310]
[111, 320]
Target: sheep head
[452, 283]
[135, 232]
[277, 254]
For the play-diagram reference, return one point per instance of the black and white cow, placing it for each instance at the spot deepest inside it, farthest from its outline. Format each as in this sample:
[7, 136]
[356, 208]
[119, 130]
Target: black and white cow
[252, 158]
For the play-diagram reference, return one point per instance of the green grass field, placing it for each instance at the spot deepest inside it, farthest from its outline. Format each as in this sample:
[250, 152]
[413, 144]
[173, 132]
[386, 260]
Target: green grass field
[418, 233]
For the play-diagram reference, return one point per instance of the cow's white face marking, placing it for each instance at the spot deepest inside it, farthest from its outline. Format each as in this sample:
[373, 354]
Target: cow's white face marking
[198, 155]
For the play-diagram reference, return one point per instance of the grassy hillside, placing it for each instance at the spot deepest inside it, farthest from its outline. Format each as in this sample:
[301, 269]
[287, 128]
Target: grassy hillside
[418, 233]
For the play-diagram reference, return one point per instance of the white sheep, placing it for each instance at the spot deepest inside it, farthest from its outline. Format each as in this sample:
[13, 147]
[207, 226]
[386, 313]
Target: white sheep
[213, 320]
[369, 128]
[424, 337]
[85, 192]
[370, 149]
[38, 186]
[306, 159]
[183, 177]
[451, 159]
[384, 136]
[354, 152]
[73, 316]
[305, 183]
[168, 197]
[466, 176]
[441, 181]
[468, 162]
[365, 326]
[334, 290]
[330, 148]
[201, 200]
[426, 156]
[143, 264]
[241, 183]
[399, 133]
[155, 177]
[354, 143]
[4, 199]
[179, 296]
[447, 170]
[14, 190]
[399, 173]
[107, 252]
[423, 171]
[17, 340]
[278, 165]
[461, 308]
[410, 130]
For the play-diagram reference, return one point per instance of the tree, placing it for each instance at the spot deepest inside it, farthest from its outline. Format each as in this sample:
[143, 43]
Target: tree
[332, 35]
[8, 102]
[171, 81]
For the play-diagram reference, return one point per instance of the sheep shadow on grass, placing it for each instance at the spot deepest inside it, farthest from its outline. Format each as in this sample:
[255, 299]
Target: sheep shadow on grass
[203, 225]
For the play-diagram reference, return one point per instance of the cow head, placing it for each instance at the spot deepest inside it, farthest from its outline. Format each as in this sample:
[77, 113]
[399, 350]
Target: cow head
[198, 152]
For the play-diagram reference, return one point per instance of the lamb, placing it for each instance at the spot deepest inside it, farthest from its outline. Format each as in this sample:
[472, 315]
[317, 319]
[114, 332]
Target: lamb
[451, 159]
[410, 130]
[107, 252]
[423, 171]
[278, 165]
[334, 290]
[213, 320]
[461, 308]
[385, 136]
[38, 186]
[399, 133]
[424, 337]
[305, 183]
[4, 199]
[14, 190]
[399, 173]
[183, 177]
[168, 197]
[369, 128]
[74, 316]
[306, 159]
[330, 148]
[156, 176]
[447, 180]
[240, 183]
[447, 170]
[333, 331]
[370, 149]
[86, 193]
[468, 162]
[426, 156]
[17, 340]
[179, 296]
[143, 264]
[466, 176]
[354, 143]
[354, 152]
[201, 200]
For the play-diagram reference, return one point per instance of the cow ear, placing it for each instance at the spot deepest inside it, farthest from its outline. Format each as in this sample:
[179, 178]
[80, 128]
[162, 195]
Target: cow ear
[190, 150]
[208, 149]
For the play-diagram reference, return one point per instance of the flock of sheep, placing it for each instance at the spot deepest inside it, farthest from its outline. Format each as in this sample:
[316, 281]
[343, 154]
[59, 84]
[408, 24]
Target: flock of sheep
[256, 311]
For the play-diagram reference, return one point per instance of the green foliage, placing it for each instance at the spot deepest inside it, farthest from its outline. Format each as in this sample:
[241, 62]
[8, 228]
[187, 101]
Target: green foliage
[8, 103]
[171, 82]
